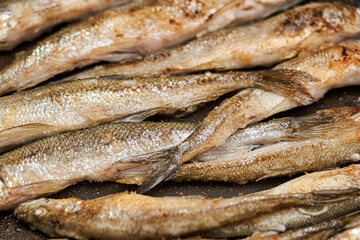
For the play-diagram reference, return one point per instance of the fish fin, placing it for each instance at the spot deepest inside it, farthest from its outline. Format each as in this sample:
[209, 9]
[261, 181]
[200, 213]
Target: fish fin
[157, 176]
[12, 137]
[335, 195]
[322, 123]
[179, 113]
[103, 54]
[288, 83]
[160, 170]
[138, 117]
[13, 196]
[128, 172]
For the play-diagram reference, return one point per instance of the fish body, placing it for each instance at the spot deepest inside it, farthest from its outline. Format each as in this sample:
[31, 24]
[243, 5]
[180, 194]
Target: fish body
[289, 222]
[107, 152]
[25, 20]
[124, 216]
[90, 102]
[284, 220]
[323, 145]
[312, 73]
[133, 216]
[322, 231]
[127, 32]
[278, 38]
[349, 234]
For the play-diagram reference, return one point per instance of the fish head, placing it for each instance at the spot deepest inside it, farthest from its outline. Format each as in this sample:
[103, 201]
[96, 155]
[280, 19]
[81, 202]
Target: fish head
[39, 214]
[342, 18]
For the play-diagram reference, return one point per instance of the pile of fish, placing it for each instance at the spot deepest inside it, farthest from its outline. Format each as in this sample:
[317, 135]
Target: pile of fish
[170, 57]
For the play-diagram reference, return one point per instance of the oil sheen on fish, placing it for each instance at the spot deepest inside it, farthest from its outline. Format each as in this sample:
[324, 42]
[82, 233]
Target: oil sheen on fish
[287, 221]
[322, 231]
[128, 32]
[133, 216]
[107, 152]
[23, 20]
[352, 232]
[346, 178]
[314, 73]
[260, 44]
[315, 142]
[89, 102]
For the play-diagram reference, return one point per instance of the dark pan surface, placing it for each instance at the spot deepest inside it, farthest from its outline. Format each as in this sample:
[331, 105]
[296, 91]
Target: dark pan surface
[10, 228]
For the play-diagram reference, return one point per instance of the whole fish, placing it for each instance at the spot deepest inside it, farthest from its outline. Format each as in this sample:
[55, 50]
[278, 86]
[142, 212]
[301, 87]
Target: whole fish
[133, 216]
[107, 152]
[23, 20]
[260, 44]
[128, 32]
[322, 231]
[127, 152]
[314, 73]
[74, 105]
[315, 142]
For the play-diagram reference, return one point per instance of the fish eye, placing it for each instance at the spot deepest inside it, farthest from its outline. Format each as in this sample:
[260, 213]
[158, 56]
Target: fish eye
[332, 14]
[39, 212]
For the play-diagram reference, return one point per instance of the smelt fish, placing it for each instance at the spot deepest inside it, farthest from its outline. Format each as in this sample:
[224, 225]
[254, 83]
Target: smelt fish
[314, 72]
[346, 178]
[105, 153]
[260, 44]
[127, 32]
[133, 216]
[90, 102]
[23, 20]
[280, 147]
[322, 231]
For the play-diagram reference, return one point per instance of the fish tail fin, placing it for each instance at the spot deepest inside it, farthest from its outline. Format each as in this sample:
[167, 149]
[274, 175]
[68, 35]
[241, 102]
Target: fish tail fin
[160, 171]
[288, 83]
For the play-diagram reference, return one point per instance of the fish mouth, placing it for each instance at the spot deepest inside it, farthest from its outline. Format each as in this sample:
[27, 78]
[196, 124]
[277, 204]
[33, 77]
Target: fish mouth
[356, 116]
[31, 211]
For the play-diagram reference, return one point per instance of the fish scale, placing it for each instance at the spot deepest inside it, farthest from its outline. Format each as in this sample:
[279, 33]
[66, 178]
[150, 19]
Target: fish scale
[23, 20]
[106, 152]
[127, 32]
[278, 38]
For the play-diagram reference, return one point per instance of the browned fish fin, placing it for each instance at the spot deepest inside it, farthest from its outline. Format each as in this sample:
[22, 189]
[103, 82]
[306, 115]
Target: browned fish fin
[160, 170]
[288, 83]
[139, 116]
[11, 197]
[329, 122]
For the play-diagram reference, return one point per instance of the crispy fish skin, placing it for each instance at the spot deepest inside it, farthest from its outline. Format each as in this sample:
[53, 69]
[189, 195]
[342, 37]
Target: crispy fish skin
[320, 231]
[321, 146]
[287, 221]
[330, 66]
[342, 178]
[281, 129]
[350, 234]
[89, 102]
[106, 152]
[278, 38]
[133, 216]
[24, 20]
[126, 32]
[334, 180]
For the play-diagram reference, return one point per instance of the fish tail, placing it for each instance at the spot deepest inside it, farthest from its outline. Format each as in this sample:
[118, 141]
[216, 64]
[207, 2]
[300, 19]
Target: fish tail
[160, 171]
[288, 83]
[356, 115]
